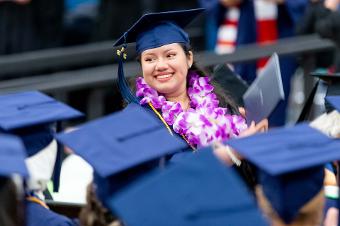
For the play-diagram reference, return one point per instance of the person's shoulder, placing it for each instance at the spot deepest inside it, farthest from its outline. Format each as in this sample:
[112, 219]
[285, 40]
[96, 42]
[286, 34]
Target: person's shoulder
[38, 215]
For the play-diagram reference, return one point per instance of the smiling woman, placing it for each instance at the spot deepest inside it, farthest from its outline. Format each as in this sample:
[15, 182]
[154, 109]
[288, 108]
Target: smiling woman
[175, 90]
[165, 69]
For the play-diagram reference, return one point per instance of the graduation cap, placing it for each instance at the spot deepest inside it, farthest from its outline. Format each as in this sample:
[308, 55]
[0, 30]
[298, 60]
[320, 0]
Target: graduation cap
[31, 116]
[200, 190]
[12, 156]
[153, 30]
[290, 164]
[332, 80]
[334, 101]
[121, 147]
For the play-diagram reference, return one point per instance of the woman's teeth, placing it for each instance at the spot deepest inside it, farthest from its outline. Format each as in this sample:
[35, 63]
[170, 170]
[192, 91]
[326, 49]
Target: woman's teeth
[164, 76]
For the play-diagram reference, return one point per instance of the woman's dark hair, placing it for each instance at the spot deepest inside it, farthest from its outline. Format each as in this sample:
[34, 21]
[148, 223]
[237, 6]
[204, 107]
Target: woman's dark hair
[12, 209]
[223, 96]
[94, 213]
[246, 170]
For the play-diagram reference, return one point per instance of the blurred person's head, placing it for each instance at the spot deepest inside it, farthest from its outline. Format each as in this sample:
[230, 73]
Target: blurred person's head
[12, 172]
[12, 208]
[310, 214]
[95, 213]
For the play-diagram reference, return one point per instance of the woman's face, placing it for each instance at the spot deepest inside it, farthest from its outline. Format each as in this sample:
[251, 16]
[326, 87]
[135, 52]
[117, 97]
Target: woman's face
[165, 69]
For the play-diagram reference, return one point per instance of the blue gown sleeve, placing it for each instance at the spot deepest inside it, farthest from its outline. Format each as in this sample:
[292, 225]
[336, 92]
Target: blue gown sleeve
[37, 215]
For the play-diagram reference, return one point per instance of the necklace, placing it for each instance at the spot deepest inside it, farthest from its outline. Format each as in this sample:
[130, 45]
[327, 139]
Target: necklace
[204, 122]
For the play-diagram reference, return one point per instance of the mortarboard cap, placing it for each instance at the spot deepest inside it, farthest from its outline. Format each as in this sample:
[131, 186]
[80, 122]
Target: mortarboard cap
[122, 145]
[12, 156]
[331, 78]
[30, 115]
[26, 109]
[290, 162]
[153, 30]
[334, 101]
[332, 81]
[198, 191]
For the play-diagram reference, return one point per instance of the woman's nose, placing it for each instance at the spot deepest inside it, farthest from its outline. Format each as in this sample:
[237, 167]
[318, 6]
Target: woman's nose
[161, 64]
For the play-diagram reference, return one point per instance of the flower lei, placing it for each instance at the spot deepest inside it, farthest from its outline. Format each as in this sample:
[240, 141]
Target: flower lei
[204, 122]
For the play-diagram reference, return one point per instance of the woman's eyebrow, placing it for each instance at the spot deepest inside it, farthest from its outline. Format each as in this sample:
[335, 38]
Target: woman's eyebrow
[148, 54]
[168, 50]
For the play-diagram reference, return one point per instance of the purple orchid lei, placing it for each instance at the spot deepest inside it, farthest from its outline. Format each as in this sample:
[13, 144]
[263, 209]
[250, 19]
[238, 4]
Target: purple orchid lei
[204, 122]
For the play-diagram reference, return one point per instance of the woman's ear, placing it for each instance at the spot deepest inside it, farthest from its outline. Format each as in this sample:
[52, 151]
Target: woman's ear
[190, 57]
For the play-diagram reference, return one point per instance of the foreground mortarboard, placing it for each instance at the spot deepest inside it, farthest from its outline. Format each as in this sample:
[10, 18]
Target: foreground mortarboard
[30, 115]
[200, 190]
[12, 156]
[153, 30]
[33, 108]
[120, 143]
[290, 162]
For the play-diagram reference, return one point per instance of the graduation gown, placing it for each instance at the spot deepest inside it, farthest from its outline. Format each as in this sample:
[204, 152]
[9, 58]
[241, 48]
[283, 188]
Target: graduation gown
[245, 170]
[38, 215]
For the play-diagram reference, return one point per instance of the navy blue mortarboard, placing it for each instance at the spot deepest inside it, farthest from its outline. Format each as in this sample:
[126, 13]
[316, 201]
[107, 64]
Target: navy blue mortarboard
[122, 146]
[334, 101]
[290, 162]
[153, 30]
[200, 190]
[12, 156]
[30, 115]
[332, 81]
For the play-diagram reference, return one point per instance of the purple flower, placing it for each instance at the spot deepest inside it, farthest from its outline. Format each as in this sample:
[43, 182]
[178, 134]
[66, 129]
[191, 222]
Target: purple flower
[204, 122]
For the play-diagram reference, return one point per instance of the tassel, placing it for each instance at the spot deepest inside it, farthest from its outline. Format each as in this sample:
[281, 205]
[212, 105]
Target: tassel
[124, 88]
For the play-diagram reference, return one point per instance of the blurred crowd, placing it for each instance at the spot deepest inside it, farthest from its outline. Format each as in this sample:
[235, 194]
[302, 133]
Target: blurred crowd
[255, 174]
[27, 25]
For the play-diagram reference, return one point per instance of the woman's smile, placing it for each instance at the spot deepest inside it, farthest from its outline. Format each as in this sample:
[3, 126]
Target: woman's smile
[165, 69]
[164, 77]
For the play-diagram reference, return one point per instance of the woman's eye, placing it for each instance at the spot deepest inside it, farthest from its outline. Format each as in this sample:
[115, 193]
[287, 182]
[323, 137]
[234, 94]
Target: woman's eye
[171, 55]
[149, 59]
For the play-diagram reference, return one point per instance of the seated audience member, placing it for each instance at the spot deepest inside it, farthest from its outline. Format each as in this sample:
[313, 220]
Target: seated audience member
[12, 171]
[34, 117]
[121, 148]
[290, 171]
[329, 123]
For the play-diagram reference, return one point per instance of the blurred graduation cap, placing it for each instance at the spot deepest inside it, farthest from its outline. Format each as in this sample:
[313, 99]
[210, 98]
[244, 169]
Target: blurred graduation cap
[121, 147]
[290, 164]
[153, 30]
[200, 190]
[31, 116]
[332, 80]
[12, 156]
[334, 101]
